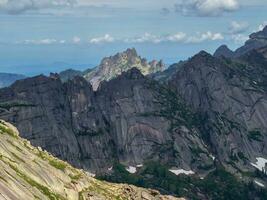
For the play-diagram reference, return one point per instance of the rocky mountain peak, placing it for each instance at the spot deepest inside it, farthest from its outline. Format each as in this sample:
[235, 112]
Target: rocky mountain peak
[259, 35]
[256, 41]
[223, 51]
[111, 67]
[202, 56]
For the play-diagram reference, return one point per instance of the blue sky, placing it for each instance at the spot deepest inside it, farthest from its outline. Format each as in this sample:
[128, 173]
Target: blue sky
[39, 36]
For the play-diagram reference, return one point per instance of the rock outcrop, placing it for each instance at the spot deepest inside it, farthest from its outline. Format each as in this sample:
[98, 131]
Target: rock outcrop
[232, 101]
[29, 173]
[130, 119]
[69, 74]
[223, 51]
[111, 67]
[256, 41]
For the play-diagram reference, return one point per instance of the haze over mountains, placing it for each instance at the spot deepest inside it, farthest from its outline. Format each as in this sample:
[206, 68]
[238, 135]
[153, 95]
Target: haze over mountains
[7, 79]
[130, 121]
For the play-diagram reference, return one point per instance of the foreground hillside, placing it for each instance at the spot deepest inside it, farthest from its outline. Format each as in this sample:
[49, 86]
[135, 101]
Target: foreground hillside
[30, 173]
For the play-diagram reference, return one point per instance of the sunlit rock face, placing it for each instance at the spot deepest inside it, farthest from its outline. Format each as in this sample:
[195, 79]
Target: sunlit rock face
[111, 67]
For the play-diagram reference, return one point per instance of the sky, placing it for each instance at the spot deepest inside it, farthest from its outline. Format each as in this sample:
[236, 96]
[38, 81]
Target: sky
[42, 36]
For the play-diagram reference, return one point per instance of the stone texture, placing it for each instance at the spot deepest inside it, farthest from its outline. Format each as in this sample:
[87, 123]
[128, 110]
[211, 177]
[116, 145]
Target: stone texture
[231, 97]
[111, 67]
[30, 173]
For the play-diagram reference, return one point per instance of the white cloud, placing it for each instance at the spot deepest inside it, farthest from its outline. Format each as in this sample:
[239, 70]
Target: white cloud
[20, 6]
[206, 7]
[76, 40]
[177, 37]
[238, 27]
[42, 41]
[261, 26]
[208, 36]
[105, 39]
[147, 37]
[240, 38]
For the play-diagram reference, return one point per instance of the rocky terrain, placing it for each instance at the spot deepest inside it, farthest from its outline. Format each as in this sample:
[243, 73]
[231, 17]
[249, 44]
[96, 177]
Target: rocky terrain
[69, 74]
[130, 119]
[31, 173]
[256, 41]
[7, 79]
[204, 118]
[112, 66]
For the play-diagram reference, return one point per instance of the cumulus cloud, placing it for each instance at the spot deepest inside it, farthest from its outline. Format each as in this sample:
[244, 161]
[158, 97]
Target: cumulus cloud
[76, 40]
[240, 38]
[202, 37]
[180, 37]
[20, 6]
[238, 27]
[147, 37]
[261, 26]
[43, 41]
[206, 7]
[105, 39]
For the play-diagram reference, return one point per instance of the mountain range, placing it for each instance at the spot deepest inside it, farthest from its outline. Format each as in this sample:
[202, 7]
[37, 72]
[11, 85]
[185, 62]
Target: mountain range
[197, 129]
[6, 79]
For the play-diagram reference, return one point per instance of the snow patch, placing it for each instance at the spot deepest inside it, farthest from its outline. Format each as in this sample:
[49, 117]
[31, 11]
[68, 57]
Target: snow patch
[141, 165]
[260, 164]
[212, 157]
[110, 168]
[259, 183]
[181, 171]
[131, 169]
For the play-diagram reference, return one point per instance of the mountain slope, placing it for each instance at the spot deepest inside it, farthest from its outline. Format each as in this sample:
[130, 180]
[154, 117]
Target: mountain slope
[7, 79]
[256, 41]
[30, 173]
[223, 51]
[130, 119]
[110, 67]
[233, 105]
[69, 74]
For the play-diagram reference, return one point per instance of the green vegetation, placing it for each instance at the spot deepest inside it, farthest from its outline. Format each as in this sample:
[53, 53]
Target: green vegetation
[75, 177]
[52, 161]
[255, 135]
[9, 105]
[33, 183]
[172, 107]
[219, 184]
[58, 164]
[6, 130]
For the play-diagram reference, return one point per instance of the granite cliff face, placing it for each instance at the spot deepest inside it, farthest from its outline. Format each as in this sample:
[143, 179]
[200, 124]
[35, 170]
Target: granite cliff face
[199, 116]
[111, 67]
[232, 101]
[130, 119]
[29, 173]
